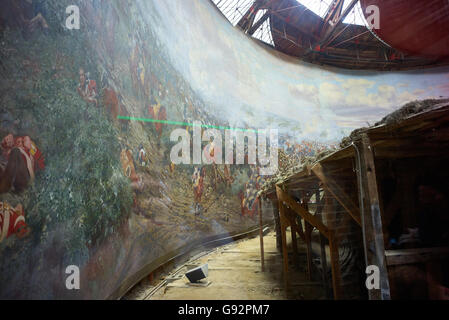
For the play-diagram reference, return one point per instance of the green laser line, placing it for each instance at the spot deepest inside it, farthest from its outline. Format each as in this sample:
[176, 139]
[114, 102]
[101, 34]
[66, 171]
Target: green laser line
[178, 123]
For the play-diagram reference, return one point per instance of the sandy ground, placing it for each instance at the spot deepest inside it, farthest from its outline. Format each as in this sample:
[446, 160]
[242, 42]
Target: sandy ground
[235, 274]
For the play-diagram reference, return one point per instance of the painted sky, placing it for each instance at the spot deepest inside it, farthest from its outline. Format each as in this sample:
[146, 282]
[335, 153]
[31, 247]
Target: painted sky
[245, 81]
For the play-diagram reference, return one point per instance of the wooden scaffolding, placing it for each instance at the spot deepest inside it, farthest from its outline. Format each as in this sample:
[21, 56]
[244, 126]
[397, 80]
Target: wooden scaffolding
[351, 179]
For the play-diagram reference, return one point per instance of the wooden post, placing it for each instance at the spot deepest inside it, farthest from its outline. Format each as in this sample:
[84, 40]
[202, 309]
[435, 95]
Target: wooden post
[308, 218]
[324, 264]
[277, 223]
[339, 194]
[329, 216]
[294, 228]
[308, 237]
[308, 233]
[335, 265]
[314, 221]
[294, 244]
[284, 225]
[371, 217]
[284, 251]
[323, 258]
[262, 260]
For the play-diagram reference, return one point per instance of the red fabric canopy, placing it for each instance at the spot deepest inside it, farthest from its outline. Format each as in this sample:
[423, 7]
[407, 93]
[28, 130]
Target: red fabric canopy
[418, 27]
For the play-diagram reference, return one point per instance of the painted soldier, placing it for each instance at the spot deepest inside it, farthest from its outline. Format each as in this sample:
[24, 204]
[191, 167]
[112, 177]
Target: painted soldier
[198, 187]
[87, 88]
[129, 169]
[158, 113]
[20, 160]
[12, 221]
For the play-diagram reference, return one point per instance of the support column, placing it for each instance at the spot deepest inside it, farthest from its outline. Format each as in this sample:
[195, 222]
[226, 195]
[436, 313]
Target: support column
[308, 233]
[371, 217]
[277, 223]
[284, 225]
[335, 265]
[329, 217]
[262, 260]
[294, 245]
[319, 214]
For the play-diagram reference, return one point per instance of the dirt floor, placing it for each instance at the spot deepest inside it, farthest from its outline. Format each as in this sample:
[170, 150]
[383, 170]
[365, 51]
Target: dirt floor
[234, 274]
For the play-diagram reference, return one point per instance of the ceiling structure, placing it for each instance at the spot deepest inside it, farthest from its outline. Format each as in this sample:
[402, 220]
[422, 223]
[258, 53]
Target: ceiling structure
[324, 32]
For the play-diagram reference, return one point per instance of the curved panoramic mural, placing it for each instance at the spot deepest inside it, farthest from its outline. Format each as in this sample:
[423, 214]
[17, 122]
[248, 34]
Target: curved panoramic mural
[86, 119]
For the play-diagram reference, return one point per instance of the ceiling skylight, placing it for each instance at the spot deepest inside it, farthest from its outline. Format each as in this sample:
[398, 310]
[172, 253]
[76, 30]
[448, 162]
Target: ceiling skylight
[234, 10]
[320, 7]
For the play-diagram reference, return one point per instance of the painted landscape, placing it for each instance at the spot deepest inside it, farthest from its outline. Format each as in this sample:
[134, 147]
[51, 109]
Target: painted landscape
[84, 182]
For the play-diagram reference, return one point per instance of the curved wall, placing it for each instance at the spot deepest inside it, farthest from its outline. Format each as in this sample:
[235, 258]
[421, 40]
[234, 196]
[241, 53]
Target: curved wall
[105, 196]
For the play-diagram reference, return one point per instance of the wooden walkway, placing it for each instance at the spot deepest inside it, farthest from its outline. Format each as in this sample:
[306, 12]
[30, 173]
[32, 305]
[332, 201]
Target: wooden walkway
[235, 274]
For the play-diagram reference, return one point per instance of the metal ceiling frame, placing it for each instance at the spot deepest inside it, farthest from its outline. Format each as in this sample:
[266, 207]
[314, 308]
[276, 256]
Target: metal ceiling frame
[327, 40]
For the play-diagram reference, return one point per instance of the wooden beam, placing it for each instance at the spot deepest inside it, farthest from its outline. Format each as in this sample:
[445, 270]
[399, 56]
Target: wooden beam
[345, 201]
[332, 14]
[329, 215]
[314, 221]
[304, 31]
[295, 226]
[284, 224]
[410, 152]
[308, 233]
[320, 206]
[332, 29]
[309, 250]
[335, 265]
[413, 256]
[262, 260]
[371, 217]
[324, 264]
[285, 199]
[258, 23]
[277, 222]
[245, 21]
[294, 246]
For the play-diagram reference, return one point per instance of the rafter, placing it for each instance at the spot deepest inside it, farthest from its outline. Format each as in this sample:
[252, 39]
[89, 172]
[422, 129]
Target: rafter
[332, 15]
[340, 19]
[299, 30]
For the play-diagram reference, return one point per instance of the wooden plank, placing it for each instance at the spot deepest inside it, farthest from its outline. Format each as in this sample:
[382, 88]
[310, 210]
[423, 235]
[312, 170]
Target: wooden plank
[308, 234]
[262, 260]
[335, 265]
[320, 202]
[309, 250]
[330, 31]
[412, 152]
[277, 223]
[294, 225]
[413, 256]
[345, 201]
[284, 225]
[324, 264]
[294, 246]
[372, 223]
[314, 221]
[284, 254]
[436, 115]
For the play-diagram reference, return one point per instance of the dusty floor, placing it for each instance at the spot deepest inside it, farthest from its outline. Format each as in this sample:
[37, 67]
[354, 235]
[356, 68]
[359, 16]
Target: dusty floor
[235, 274]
